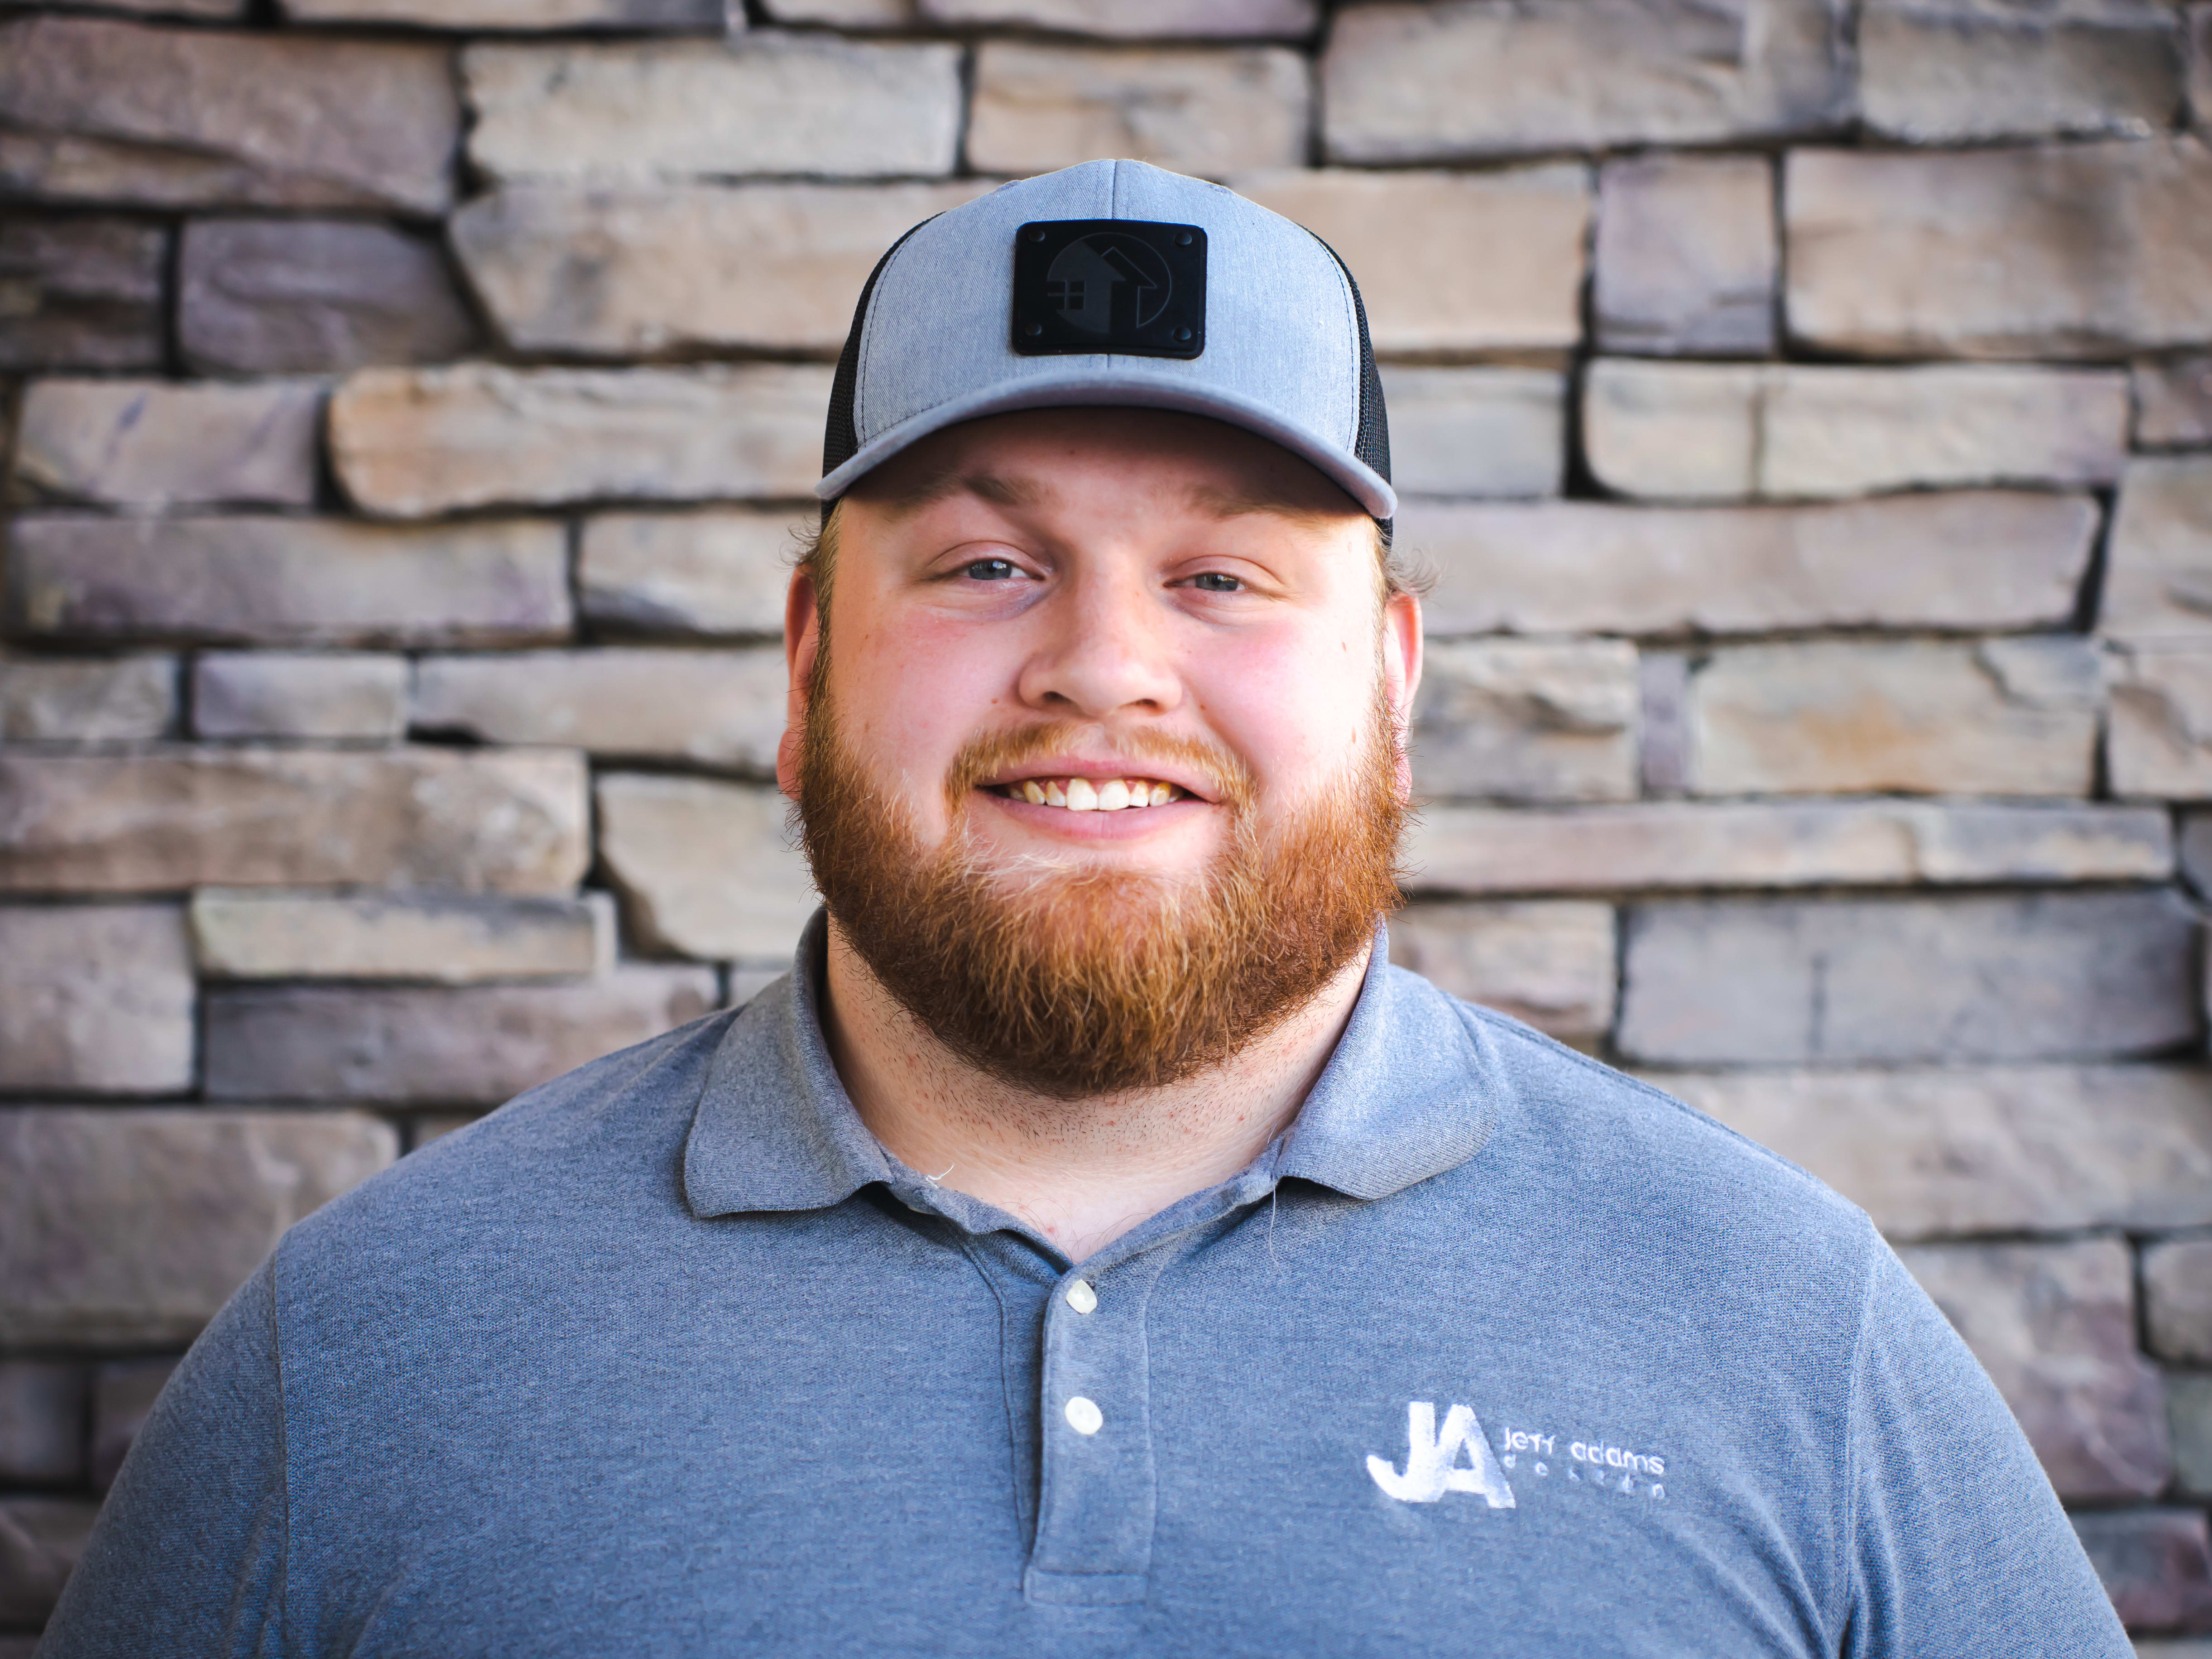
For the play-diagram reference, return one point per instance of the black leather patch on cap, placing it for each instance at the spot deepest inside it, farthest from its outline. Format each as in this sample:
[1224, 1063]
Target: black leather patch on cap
[1130, 285]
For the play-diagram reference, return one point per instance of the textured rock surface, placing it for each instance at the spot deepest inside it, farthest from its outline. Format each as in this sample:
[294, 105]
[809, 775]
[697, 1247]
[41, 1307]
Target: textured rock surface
[42, 1405]
[1448, 262]
[1475, 432]
[156, 444]
[1994, 977]
[1683, 432]
[271, 581]
[1959, 72]
[443, 939]
[1207, 112]
[2158, 577]
[95, 999]
[76, 700]
[2189, 1425]
[123, 111]
[2001, 717]
[715, 708]
[720, 572]
[1665, 844]
[2157, 1568]
[642, 111]
[130, 1228]
[1140, 19]
[478, 1043]
[2174, 398]
[704, 869]
[698, 15]
[272, 296]
[2069, 250]
[1525, 720]
[1994, 1150]
[2054, 1325]
[1687, 255]
[2178, 1287]
[1972, 559]
[409, 443]
[80, 292]
[171, 818]
[340, 695]
[766, 267]
[2158, 741]
[1551, 964]
[1407, 81]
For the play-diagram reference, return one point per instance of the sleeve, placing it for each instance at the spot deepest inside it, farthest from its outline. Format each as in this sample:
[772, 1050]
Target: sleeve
[187, 1557]
[1959, 1544]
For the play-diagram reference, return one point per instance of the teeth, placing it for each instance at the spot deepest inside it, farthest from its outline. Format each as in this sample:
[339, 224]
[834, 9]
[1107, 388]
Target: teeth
[1032, 793]
[1162, 794]
[1140, 793]
[1053, 796]
[1113, 795]
[1081, 795]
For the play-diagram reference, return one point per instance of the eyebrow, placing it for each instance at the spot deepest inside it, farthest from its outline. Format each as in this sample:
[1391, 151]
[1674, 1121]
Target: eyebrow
[1232, 504]
[990, 487]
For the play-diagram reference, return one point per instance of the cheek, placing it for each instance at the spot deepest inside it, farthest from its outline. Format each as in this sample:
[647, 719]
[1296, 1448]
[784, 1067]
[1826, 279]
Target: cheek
[1293, 704]
[910, 697]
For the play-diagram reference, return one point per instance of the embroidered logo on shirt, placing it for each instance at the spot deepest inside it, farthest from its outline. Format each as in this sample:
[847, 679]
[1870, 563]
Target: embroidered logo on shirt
[1433, 1465]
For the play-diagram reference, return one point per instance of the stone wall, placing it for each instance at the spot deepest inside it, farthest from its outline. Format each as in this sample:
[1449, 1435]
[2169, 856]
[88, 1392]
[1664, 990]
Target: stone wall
[1805, 407]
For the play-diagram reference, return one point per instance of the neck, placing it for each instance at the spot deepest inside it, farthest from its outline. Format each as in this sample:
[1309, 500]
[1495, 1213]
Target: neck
[1081, 1172]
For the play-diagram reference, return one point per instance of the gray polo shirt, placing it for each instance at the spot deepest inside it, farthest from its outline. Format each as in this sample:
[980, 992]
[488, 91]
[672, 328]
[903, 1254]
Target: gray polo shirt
[1496, 1351]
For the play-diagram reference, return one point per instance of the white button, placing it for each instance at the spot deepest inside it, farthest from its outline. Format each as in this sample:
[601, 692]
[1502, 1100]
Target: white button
[1083, 1415]
[1082, 1298]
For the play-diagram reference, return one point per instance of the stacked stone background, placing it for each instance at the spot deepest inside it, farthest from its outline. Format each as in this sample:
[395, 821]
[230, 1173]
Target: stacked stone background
[1805, 408]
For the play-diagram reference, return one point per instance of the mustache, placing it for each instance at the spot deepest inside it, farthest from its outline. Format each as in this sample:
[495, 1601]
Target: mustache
[1228, 779]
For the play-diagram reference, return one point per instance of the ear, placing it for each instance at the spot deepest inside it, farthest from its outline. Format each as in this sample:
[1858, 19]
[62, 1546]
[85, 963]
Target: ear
[1401, 675]
[802, 643]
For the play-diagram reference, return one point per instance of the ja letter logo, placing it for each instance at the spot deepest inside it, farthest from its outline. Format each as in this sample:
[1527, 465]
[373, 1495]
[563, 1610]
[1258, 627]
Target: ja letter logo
[1433, 1465]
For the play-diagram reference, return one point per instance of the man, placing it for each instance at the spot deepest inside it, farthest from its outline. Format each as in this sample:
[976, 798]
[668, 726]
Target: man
[1092, 1246]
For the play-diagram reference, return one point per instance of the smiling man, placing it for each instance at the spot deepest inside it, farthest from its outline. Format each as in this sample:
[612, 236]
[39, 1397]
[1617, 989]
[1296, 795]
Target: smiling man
[1092, 1246]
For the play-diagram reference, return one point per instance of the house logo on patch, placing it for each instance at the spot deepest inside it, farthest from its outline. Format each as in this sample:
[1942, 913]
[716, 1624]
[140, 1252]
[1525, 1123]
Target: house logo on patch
[1455, 1458]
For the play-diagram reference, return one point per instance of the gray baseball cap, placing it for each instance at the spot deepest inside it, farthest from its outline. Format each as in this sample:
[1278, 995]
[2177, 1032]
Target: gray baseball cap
[1113, 282]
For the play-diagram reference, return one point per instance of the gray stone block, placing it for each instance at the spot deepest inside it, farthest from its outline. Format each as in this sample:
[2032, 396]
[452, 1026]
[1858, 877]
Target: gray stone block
[2155, 1565]
[334, 696]
[438, 938]
[1946, 74]
[703, 15]
[475, 1045]
[2009, 1149]
[42, 1540]
[95, 999]
[491, 821]
[2174, 395]
[2158, 575]
[1996, 977]
[274, 296]
[718, 573]
[1476, 432]
[2189, 1425]
[87, 700]
[1550, 964]
[1662, 685]
[2054, 1325]
[129, 1229]
[42, 1422]
[123, 1392]
[1688, 256]
[82, 293]
[156, 444]
[1141, 20]
[2158, 734]
[2177, 1277]
[704, 869]
[1526, 720]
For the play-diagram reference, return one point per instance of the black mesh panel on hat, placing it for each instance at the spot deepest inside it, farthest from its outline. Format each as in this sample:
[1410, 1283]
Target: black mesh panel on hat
[840, 438]
[1371, 443]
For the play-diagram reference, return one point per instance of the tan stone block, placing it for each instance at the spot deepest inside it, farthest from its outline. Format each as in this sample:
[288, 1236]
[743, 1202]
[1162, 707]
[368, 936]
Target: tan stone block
[409, 443]
[2000, 717]
[1691, 431]
[720, 572]
[1450, 264]
[287, 581]
[331, 695]
[2158, 737]
[95, 999]
[161, 821]
[2157, 575]
[1404, 82]
[1211, 113]
[1140, 20]
[2065, 250]
[442, 938]
[172, 117]
[1996, 1149]
[517, 14]
[76, 700]
[1527, 719]
[765, 267]
[2054, 1325]
[156, 444]
[1550, 964]
[475, 1044]
[704, 869]
[2174, 396]
[2178, 1287]
[125, 1228]
[1934, 76]
[1476, 432]
[1687, 255]
[80, 292]
[715, 708]
[1668, 844]
[1973, 559]
[647, 111]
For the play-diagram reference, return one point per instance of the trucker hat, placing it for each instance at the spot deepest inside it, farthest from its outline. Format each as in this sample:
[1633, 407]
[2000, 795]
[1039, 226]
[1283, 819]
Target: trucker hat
[1113, 282]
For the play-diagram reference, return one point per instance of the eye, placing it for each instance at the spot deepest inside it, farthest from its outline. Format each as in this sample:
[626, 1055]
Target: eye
[1215, 581]
[991, 570]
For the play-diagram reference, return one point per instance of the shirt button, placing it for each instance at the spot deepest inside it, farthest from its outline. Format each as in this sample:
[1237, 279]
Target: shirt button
[1083, 1415]
[1081, 1296]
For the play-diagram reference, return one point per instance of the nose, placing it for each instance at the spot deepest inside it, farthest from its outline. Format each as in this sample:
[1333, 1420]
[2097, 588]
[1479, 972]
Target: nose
[1103, 651]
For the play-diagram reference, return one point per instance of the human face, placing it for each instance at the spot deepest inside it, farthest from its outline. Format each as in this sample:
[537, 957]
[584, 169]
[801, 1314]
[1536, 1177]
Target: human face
[1145, 585]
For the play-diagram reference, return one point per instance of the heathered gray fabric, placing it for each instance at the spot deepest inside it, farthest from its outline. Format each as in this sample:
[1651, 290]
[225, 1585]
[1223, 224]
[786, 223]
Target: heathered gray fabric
[1282, 340]
[668, 1356]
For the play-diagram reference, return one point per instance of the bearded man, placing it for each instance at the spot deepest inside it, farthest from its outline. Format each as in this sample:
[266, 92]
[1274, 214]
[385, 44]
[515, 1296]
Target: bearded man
[1093, 1245]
